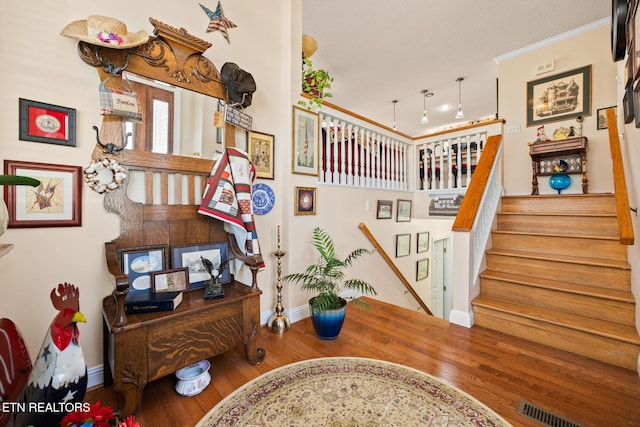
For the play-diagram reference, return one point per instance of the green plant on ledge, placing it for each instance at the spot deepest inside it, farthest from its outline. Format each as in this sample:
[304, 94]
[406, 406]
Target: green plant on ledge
[326, 277]
[315, 84]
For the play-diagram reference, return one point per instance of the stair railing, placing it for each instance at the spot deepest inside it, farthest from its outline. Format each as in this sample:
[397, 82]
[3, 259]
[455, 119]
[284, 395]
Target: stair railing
[393, 267]
[625, 225]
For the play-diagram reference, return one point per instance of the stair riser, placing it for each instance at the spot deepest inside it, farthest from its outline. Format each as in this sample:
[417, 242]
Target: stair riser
[591, 248]
[595, 347]
[560, 204]
[564, 225]
[582, 305]
[592, 275]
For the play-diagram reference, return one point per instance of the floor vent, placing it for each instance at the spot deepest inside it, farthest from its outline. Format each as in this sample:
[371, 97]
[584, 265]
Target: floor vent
[543, 416]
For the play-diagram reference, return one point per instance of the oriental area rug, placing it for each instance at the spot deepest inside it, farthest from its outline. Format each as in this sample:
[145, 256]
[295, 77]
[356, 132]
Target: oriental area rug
[353, 392]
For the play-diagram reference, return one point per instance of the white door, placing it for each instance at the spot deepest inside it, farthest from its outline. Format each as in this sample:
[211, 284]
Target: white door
[441, 298]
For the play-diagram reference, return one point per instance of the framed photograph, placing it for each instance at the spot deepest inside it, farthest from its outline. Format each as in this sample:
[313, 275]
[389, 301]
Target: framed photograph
[403, 245]
[202, 261]
[56, 202]
[627, 104]
[51, 124]
[423, 242]
[305, 201]
[404, 211]
[422, 269]
[306, 133]
[602, 118]
[559, 97]
[384, 209]
[260, 149]
[139, 263]
[176, 279]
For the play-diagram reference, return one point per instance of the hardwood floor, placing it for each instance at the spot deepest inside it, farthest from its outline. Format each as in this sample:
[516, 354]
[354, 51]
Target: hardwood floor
[497, 369]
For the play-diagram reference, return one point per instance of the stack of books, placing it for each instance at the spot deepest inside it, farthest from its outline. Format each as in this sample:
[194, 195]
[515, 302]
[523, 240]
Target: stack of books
[148, 302]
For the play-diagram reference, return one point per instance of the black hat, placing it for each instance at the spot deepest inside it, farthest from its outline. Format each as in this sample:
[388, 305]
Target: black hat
[239, 85]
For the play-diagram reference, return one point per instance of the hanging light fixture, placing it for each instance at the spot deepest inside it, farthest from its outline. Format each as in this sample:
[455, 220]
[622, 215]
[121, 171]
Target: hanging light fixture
[426, 94]
[394, 102]
[460, 114]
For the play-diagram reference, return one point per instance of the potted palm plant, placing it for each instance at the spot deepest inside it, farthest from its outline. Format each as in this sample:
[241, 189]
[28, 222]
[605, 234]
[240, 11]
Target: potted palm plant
[315, 84]
[327, 279]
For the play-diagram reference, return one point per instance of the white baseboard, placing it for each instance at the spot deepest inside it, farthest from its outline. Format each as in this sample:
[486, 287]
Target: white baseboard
[461, 318]
[95, 376]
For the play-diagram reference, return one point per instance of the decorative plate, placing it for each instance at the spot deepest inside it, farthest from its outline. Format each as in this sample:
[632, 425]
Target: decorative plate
[263, 199]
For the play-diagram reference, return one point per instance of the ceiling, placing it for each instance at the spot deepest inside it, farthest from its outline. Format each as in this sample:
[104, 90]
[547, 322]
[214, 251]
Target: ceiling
[378, 52]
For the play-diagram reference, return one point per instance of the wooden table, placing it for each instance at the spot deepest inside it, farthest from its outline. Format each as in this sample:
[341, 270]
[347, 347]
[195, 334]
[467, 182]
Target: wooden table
[571, 150]
[153, 345]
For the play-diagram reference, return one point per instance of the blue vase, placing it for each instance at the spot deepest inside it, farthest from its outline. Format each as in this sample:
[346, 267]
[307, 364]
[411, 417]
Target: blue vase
[559, 181]
[328, 323]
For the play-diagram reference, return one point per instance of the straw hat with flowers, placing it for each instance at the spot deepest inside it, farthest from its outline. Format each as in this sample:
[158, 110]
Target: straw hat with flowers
[104, 31]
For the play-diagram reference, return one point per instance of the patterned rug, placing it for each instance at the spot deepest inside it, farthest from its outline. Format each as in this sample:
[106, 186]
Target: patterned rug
[353, 392]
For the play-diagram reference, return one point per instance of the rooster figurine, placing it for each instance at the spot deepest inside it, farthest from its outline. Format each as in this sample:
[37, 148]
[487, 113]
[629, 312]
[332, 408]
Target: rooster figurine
[58, 381]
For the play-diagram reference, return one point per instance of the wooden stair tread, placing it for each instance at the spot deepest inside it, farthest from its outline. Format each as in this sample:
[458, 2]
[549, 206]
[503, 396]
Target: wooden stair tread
[575, 288]
[623, 265]
[593, 326]
[562, 214]
[568, 236]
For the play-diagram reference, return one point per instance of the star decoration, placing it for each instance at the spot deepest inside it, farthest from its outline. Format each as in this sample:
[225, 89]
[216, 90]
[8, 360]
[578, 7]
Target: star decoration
[45, 353]
[219, 22]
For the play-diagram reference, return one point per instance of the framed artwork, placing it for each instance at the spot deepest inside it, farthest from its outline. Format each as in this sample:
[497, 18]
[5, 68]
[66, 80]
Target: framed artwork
[602, 118]
[384, 209]
[627, 104]
[635, 46]
[199, 259]
[51, 124]
[56, 202]
[306, 133]
[636, 103]
[404, 211]
[628, 72]
[559, 97]
[423, 242]
[139, 263]
[260, 149]
[176, 279]
[403, 245]
[422, 269]
[305, 201]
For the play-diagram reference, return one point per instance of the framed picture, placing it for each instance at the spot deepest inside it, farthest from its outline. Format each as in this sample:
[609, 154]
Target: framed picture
[305, 201]
[260, 149]
[384, 209]
[559, 97]
[200, 260]
[51, 124]
[423, 242]
[403, 245]
[176, 279]
[404, 211]
[422, 269]
[636, 102]
[56, 202]
[602, 118]
[306, 133]
[139, 263]
[627, 104]
[635, 45]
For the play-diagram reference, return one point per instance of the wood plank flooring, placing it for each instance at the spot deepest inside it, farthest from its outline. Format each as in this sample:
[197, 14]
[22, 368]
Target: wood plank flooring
[497, 369]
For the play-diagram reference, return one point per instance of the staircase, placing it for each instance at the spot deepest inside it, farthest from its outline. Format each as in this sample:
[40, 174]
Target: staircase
[556, 274]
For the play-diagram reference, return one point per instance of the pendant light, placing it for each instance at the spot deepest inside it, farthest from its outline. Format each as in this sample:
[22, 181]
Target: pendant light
[460, 114]
[426, 94]
[394, 102]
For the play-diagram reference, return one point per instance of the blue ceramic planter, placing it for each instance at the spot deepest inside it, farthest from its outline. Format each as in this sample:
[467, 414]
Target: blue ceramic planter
[328, 323]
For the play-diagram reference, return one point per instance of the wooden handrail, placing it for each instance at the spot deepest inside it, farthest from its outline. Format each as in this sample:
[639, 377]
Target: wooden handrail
[472, 198]
[393, 267]
[625, 226]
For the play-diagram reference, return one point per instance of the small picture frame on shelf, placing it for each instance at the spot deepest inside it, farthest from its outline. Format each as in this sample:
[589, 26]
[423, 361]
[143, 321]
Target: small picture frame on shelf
[384, 209]
[139, 263]
[175, 279]
[47, 123]
[403, 244]
[404, 211]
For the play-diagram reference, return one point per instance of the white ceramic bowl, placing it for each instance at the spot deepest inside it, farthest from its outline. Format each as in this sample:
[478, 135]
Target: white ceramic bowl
[193, 378]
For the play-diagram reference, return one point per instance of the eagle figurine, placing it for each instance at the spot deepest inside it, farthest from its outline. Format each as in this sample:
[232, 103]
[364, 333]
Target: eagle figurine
[58, 382]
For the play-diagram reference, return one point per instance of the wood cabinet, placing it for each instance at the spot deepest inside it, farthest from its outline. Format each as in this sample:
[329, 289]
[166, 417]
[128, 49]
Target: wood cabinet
[545, 154]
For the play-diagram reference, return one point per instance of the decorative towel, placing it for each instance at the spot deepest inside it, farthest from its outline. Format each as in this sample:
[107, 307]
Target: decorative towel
[227, 197]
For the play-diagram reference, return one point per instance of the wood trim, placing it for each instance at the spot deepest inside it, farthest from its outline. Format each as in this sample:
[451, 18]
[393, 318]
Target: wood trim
[461, 128]
[393, 267]
[625, 224]
[471, 202]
